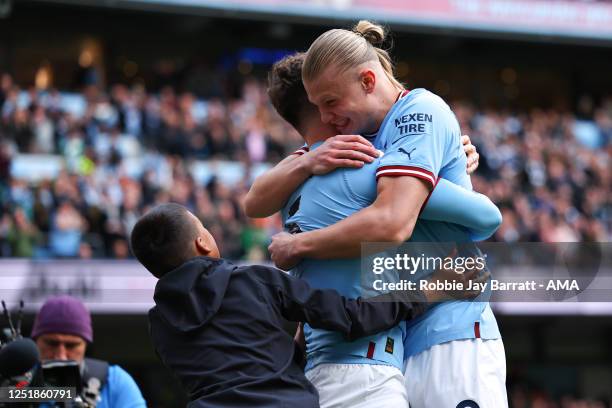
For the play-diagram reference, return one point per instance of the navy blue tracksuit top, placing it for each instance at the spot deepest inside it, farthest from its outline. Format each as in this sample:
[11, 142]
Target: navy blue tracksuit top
[219, 328]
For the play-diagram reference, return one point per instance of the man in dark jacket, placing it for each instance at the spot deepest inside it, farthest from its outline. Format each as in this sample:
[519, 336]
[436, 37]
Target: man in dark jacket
[219, 327]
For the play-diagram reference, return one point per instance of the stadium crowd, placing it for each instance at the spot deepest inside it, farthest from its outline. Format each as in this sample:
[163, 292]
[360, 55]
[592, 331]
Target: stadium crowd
[548, 170]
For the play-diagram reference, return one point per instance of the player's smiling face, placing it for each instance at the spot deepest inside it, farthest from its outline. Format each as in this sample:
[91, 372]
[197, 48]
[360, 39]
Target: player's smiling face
[342, 101]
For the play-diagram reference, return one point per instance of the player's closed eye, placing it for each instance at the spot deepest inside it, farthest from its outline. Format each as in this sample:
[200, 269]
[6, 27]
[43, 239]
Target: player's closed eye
[330, 102]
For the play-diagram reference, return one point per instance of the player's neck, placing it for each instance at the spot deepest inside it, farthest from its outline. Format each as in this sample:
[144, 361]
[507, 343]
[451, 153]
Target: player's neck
[387, 97]
[390, 94]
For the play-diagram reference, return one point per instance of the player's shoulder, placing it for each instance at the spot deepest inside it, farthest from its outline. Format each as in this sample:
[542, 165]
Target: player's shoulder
[423, 98]
[420, 100]
[422, 105]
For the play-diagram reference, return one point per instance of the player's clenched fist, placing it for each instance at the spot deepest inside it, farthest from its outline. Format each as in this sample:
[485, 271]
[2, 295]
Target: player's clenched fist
[340, 151]
[281, 251]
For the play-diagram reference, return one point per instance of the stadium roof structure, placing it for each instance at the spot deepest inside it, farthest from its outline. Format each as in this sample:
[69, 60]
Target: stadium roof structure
[563, 20]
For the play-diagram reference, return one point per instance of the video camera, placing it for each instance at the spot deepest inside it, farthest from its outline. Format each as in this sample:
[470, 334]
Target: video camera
[20, 366]
[18, 356]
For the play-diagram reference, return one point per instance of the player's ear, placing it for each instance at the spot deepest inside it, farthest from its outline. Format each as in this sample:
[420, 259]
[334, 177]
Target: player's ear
[367, 79]
[202, 247]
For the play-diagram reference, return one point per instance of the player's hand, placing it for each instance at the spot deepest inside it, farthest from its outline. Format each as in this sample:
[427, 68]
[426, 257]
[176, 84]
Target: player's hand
[471, 280]
[281, 251]
[471, 153]
[340, 151]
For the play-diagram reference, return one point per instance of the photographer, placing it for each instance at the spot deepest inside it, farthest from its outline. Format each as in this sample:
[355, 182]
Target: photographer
[62, 331]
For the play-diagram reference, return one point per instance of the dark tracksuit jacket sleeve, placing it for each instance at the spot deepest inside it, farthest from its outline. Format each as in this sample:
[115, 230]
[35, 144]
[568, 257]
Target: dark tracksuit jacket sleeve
[327, 309]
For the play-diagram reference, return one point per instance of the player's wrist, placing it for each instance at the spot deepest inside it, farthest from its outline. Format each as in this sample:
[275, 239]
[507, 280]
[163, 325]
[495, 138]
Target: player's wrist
[305, 164]
[300, 247]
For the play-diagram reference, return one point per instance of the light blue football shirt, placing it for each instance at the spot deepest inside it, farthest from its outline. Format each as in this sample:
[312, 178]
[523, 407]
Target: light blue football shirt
[421, 137]
[324, 200]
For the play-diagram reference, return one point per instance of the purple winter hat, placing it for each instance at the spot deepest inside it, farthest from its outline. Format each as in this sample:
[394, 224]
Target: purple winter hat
[63, 314]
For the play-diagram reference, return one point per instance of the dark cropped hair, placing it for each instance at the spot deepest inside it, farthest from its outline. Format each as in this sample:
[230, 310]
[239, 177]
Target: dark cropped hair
[162, 239]
[286, 90]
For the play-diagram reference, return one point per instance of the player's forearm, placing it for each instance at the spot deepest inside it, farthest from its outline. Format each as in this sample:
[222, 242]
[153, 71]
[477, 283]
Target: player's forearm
[344, 239]
[271, 190]
[450, 202]
[391, 218]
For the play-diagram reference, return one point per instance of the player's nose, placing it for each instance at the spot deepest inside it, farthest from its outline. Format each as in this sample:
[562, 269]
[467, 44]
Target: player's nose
[326, 117]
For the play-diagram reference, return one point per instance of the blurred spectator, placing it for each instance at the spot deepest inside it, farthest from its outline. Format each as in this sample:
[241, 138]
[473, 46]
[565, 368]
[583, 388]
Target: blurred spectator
[130, 150]
[66, 230]
[551, 185]
[22, 236]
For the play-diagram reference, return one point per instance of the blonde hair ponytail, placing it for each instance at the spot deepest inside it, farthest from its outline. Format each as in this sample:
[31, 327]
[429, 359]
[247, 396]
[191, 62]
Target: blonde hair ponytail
[346, 49]
[373, 33]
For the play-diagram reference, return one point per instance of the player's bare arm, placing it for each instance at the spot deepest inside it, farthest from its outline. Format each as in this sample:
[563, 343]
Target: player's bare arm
[275, 185]
[271, 190]
[390, 218]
